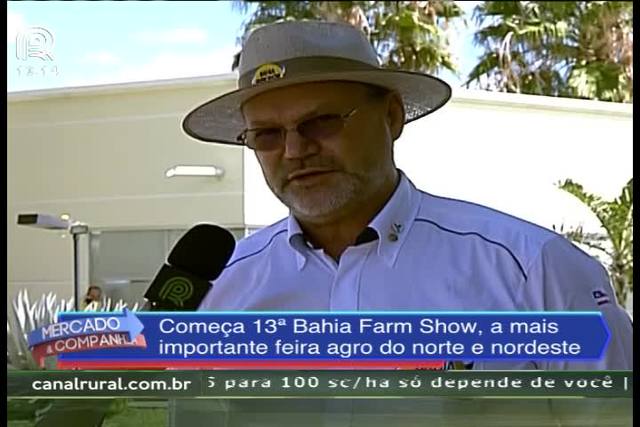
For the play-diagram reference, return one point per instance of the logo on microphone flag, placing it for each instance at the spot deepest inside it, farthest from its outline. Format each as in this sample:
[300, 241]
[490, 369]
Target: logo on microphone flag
[177, 290]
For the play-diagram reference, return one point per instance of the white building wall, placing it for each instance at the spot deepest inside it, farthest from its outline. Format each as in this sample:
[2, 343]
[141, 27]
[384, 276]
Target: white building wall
[100, 154]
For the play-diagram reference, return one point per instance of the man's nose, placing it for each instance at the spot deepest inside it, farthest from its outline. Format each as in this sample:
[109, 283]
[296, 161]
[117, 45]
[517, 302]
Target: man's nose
[297, 146]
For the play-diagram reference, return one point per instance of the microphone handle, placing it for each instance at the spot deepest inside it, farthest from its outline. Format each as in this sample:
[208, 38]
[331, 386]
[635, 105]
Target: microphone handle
[147, 306]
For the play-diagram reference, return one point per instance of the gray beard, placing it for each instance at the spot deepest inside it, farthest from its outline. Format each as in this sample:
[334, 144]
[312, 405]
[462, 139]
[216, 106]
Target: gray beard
[316, 203]
[321, 203]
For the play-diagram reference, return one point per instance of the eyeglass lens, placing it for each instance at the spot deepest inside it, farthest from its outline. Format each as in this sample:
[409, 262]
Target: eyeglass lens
[315, 129]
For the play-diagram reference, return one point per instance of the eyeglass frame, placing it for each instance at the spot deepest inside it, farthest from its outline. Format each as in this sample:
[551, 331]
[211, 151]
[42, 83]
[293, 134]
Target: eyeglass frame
[284, 130]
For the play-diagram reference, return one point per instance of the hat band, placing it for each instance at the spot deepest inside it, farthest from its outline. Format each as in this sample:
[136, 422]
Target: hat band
[297, 67]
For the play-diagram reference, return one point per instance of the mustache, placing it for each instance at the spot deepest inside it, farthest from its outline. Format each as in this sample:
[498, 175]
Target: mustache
[321, 163]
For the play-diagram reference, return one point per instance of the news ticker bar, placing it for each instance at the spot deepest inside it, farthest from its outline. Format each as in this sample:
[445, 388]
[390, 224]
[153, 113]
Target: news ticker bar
[365, 383]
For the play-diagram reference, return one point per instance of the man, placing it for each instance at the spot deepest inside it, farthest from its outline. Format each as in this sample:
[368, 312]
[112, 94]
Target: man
[322, 118]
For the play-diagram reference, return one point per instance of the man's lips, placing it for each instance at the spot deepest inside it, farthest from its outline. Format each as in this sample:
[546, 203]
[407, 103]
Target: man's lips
[307, 173]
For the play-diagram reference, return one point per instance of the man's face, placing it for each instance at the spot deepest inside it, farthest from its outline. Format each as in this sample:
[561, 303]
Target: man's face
[325, 178]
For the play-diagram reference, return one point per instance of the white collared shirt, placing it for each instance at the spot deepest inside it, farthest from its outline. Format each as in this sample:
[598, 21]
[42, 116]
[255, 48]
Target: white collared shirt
[431, 254]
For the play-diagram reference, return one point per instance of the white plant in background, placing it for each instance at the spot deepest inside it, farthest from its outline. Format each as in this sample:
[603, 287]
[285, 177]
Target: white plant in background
[26, 316]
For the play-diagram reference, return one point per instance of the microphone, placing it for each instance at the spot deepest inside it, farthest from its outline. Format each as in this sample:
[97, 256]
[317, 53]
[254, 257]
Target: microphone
[196, 259]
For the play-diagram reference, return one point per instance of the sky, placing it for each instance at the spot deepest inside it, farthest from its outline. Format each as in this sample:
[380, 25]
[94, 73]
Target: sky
[90, 43]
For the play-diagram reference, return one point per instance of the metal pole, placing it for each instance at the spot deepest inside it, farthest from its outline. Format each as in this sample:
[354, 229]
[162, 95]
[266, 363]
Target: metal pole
[76, 231]
[76, 273]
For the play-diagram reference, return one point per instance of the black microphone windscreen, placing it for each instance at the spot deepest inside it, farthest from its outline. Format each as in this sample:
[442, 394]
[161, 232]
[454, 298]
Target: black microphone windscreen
[196, 259]
[203, 251]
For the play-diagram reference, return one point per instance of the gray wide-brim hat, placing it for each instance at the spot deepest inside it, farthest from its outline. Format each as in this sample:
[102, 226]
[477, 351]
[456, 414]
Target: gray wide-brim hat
[288, 53]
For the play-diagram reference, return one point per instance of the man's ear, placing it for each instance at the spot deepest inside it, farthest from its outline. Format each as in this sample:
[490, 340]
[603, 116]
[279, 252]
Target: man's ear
[395, 115]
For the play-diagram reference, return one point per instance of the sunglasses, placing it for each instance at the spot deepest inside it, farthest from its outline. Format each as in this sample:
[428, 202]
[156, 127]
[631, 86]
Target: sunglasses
[316, 129]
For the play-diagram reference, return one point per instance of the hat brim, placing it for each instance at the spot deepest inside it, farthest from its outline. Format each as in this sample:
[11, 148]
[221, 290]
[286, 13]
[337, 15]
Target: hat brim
[220, 119]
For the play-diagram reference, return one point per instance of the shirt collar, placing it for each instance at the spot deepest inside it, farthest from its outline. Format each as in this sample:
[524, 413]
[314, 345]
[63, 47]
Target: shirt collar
[392, 224]
[297, 241]
[395, 219]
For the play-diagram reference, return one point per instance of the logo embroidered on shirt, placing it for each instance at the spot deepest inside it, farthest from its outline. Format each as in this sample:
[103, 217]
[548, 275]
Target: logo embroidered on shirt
[601, 297]
[395, 230]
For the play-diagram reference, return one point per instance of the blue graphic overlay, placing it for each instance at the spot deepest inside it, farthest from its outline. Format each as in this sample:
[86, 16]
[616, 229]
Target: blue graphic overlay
[362, 336]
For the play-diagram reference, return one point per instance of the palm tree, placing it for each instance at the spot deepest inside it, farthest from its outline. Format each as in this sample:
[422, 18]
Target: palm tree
[616, 249]
[580, 49]
[406, 34]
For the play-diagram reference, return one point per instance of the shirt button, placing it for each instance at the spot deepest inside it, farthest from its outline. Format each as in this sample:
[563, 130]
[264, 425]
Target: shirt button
[393, 237]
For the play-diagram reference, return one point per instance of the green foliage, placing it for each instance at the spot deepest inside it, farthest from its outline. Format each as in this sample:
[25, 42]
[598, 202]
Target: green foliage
[616, 217]
[406, 34]
[32, 412]
[578, 49]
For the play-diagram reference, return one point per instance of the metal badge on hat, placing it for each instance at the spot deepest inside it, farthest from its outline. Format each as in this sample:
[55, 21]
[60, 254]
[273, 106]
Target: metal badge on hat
[268, 72]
